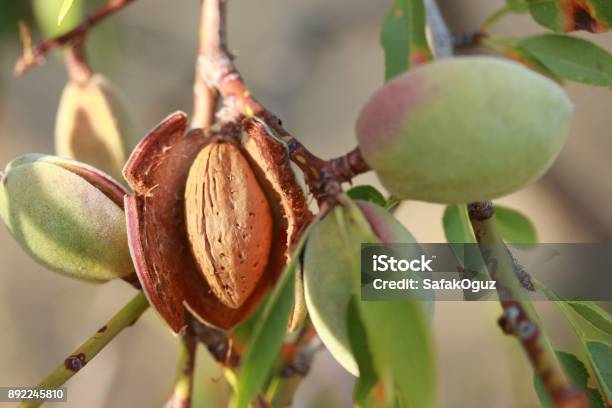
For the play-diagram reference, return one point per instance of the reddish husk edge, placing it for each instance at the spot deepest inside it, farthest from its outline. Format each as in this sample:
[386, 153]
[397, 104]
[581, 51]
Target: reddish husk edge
[157, 172]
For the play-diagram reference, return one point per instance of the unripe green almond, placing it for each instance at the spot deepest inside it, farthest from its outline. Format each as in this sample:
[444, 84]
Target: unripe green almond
[463, 129]
[332, 269]
[93, 126]
[67, 216]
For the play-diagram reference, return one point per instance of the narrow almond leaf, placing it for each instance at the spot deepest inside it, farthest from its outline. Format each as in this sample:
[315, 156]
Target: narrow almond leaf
[517, 6]
[577, 374]
[601, 357]
[400, 340]
[571, 58]
[458, 230]
[514, 226]
[264, 344]
[594, 314]
[368, 193]
[64, 9]
[359, 346]
[572, 15]
[403, 37]
[457, 225]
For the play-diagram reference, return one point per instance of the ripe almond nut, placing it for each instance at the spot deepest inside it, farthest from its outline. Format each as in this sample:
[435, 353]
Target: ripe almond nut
[213, 218]
[229, 222]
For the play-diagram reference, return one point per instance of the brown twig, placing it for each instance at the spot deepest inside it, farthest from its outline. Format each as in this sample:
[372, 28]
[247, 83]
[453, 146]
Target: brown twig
[76, 63]
[216, 70]
[180, 397]
[519, 318]
[217, 343]
[210, 35]
[33, 56]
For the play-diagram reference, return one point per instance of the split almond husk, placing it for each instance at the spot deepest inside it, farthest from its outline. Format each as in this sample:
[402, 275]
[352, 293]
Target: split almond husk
[209, 255]
[92, 125]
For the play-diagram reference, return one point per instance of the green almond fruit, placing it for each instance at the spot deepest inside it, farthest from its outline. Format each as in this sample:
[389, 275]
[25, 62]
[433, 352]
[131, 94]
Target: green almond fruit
[93, 126]
[47, 14]
[463, 129]
[68, 216]
[332, 269]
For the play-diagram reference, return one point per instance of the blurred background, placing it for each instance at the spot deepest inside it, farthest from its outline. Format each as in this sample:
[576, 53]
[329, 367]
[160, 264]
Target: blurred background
[313, 63]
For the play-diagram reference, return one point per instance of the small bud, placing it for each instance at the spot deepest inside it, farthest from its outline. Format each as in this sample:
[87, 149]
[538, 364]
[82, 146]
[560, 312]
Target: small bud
[92, 125]
[68, 216]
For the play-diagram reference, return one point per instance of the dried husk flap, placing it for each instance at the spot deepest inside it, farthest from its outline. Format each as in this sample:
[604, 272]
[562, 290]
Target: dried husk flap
[157, 171]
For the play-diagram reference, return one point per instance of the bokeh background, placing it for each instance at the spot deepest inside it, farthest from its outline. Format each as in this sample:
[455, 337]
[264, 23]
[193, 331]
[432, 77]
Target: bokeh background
[314, 63]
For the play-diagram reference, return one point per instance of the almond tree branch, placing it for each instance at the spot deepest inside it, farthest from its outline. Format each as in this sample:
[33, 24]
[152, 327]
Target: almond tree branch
[216, 69]
[211, 35]
[36, 55]
[127, 316]
[217, 343]
[520, 318]
[180, 397]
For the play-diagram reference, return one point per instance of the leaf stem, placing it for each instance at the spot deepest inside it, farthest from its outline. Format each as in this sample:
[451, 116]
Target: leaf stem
[127, 316]
[36, 55]
[180, 397]
[520, 318]
[494, 18]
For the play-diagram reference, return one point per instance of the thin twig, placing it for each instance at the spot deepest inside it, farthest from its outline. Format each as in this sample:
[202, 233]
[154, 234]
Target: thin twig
[183, 384]
[520, 318]
[33, 56]
[217, 70]
[127, 316]
[76, 63]
[217, 343]
[210, 37]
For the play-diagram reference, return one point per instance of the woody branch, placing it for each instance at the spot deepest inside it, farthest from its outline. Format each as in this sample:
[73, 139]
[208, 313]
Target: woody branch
[216, 70]
[33, 56]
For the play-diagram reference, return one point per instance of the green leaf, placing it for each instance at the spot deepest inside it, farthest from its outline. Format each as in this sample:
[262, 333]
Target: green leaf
[457, 226]
[565, 16]
[571, 58]
[403, 37]
[400, 340]
[64, 9]
[360, 349]
[266, 340]
[458, 230]
[47, 14]
[517, 6]
[577, 374]
[601, 357]
[594, 314]
[515, 227]
[367, 193]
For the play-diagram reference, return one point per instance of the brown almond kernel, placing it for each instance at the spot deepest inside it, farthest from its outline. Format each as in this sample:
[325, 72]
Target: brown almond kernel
[229, 222]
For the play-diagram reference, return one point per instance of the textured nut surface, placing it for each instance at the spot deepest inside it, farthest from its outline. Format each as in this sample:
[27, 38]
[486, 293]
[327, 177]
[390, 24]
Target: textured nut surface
[229, 222]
